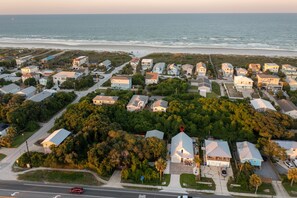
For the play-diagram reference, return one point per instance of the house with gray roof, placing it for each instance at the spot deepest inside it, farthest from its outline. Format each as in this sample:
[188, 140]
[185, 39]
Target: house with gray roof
[159, 106]
[11, 88]
[100, 100]
[262, 105]
[217, 153]
[137, 102]
[27, 92]
[289, 146]
[56, 138]
[182, 148]
[287, 107]
[41, 96]
[248, 152]
[204, 85]
[106, 64]
[155, 133]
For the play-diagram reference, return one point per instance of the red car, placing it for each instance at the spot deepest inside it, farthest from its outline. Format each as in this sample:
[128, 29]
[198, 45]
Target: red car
[77, 190]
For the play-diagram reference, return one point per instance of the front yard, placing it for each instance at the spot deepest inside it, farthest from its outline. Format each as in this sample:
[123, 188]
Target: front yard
[165, 181]
[264, 189]
[292, 190]
[189, 181]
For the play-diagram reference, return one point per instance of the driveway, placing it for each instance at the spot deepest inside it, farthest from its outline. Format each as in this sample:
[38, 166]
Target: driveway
[180, 168]
[267, 171]
[281, 168]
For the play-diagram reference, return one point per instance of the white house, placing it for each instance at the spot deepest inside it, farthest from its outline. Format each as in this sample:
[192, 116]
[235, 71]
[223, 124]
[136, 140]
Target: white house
[137, 102]
[121, 82]
[27, 92]
[41, 96]
[79, 61]
[188, 69]
[147, 64]
[11, 88]
[173, 69]
[182, 148]
[287, 107]
[30, 69]
[43, 81]
[289, 146]
[262, 105]
[155, 133]
[204, 85]
[242, 83]
[56, 138]
[241, 71]
[134, 63]
[106, 64]
[217, 153]
[248, 152]
[289, 70]
[228, 70]
[159, 106]
[159, 68]
[100, 100]
[151, 78]
[292, 82]
[61, 77]
[3, 129]
[200, 69]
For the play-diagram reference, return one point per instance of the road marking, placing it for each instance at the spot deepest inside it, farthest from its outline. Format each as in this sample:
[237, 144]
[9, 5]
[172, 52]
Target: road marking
[14, 194]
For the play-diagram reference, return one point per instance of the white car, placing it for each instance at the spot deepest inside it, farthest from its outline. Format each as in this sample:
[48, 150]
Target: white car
[295, 162]
[288, 164]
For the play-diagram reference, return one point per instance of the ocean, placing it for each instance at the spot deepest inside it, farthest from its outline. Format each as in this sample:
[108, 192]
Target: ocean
[238, 31]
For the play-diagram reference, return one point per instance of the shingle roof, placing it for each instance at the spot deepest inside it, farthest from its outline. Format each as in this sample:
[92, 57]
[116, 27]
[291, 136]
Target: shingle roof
[106, 98]
[160, 103]
[286, 105]
[217, 148]
[247, 151]
[57, 137]
[151, 76]
[203, 81]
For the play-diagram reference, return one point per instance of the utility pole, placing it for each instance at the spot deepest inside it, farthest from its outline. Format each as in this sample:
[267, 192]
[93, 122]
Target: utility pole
[28, 152]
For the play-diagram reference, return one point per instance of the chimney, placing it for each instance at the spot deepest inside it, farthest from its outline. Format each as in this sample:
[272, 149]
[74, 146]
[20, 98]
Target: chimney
[181, 128]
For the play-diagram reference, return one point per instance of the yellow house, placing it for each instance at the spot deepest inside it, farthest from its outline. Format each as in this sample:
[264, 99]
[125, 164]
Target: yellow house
[272, 67]
[56, 138]
[269, 81]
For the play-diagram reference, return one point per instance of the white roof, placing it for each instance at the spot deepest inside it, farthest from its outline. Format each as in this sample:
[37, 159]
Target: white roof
[215, 148]
[106, 63]
[262, 104]
[147, 60]
[67, 74]
[286, 144]
[248, 151]
[41, 96]
[271, 64]
[57, 137]
[27, 91]
[155, 133]
[9, 88]
[182, 140]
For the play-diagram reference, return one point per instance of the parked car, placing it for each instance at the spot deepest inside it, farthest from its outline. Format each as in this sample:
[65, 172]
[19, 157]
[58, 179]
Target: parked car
[224, 172]
[295, 162]
[288, 164]
[77, 190]
[184, 196]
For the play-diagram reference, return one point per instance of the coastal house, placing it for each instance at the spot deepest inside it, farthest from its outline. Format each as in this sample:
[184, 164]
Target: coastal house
[30, 69]
[155, 133]
[159, 106]
[34, 75]
[27, 92]
[241, 71]
[269, 81]
[22, 60]
[3, 129]
[46, 59]
[287, 107]
[159, 68]
[292, 82]
[106, 64]
[262, 105]
[272, 67]
[109, 100]
[137, 103]
[121, 82]
[242, 83]
[227, 70]
[42, 95]
[187, 69]
[255, 68]
[289, 71]
[11, 88]
[55, 139]
[248, 152]
[79, 61]
[147, 64]
[217, 153]
[151, 78]
[200, 69]
[203, 84]
[62, 76]
[182, 148]
[134, 63]
[173, 69]
[289, 146]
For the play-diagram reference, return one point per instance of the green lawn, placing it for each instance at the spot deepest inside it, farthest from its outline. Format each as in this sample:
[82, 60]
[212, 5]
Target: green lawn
[165, 181]
[189, 181]
[20, 139]
[216, 88]
[292, 190]
[2, 156]
[261, 190]
[211, 95]
[60, 177]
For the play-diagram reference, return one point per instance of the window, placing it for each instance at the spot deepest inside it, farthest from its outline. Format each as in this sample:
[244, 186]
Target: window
[182, 151]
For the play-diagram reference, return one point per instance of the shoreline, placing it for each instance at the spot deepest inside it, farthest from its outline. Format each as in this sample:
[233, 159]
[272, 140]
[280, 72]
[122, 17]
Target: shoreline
[143, 50]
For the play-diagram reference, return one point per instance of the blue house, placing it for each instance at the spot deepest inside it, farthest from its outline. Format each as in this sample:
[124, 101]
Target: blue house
[248, 152]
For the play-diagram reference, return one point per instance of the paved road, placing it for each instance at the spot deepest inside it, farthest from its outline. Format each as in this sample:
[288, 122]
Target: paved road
[8, 161]
[40, 190]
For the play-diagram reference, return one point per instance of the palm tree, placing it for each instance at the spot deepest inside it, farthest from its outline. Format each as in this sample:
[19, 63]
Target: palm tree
[160, 165]
[255, 181]
[198, 161]
[292, 175]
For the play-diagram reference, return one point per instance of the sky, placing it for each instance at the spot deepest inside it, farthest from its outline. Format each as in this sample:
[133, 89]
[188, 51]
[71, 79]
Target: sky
[11, 7]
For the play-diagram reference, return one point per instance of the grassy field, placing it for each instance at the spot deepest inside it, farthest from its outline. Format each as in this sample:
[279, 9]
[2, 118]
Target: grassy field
[216, 88]
[60, 177]
[2, 156]
[189, 181]
[261, 190]
[292, 190]
[165, 181]
[20, 139]
[211, 95]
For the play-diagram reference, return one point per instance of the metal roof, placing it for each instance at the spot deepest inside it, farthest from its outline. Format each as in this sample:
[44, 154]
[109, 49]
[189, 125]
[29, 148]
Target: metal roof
[262, 104]
[248, 151]
[57, 137]
[217, 148]
[155, 133]
[287, 144]
[286, 105]
[182, 140]
[40, 96]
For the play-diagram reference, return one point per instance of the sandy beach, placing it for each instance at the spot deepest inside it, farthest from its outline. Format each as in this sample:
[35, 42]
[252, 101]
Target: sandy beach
[143, 50]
